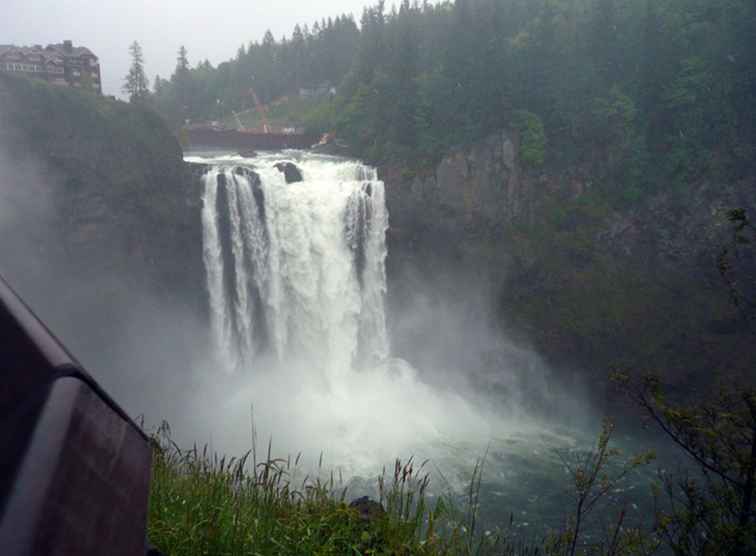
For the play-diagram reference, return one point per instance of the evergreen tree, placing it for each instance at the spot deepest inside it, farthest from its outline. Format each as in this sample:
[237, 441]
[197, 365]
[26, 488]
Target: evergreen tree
[182, 61]
[136, 84]
[182, 82]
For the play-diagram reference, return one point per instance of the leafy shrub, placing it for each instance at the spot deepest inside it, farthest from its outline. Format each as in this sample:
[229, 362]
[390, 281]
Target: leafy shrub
[532, 138]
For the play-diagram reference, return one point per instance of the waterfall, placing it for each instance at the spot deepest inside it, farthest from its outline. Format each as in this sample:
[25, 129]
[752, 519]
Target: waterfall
[296, 270]
[296, 284]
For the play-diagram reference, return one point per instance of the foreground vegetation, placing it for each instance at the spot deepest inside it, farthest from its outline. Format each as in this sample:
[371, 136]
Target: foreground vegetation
[202, 504]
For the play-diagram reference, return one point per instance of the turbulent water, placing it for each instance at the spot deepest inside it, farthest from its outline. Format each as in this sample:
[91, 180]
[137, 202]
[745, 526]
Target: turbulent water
[296, 268]
[296, 282]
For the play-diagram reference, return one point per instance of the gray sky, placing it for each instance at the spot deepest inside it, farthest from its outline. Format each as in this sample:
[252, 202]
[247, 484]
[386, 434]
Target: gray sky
[211, 29]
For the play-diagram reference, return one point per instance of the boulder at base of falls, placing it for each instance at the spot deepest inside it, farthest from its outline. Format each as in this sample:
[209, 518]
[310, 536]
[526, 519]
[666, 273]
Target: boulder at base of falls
[290, 171]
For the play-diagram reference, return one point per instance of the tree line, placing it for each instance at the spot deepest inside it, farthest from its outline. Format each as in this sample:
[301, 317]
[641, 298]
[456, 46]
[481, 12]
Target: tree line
[272, 68]
[640, 93]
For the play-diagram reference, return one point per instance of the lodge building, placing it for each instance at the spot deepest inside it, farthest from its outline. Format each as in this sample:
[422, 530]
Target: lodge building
[59, 64]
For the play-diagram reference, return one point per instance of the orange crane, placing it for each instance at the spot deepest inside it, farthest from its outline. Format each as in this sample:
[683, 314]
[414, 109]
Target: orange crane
[260, 107]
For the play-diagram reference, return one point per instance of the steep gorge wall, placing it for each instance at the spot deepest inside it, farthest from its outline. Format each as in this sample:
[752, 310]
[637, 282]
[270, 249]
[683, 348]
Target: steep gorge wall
[118, 195]
[590, 286]
[100, 233]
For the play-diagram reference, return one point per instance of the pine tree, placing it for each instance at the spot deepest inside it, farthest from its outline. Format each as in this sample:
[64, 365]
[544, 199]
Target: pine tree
[182, 82]
[182, 61]
[136, 83]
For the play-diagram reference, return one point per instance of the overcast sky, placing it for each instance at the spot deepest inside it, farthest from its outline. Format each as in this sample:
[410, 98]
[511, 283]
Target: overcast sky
[210, 29]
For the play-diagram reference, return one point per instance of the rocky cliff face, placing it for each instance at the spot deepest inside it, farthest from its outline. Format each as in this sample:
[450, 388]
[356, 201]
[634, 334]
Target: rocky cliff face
[471, 192]
[99, 232]
[590, 285]
[119, 199]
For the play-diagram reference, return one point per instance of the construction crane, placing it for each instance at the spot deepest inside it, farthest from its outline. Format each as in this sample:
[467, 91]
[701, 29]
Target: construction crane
[260, 110]
[239, 125]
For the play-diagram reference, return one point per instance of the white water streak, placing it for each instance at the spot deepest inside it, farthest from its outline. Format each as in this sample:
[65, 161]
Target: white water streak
[317, 261]
[212, 256]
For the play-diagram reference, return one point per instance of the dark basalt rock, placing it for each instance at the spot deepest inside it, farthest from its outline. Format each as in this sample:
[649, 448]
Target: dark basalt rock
[249, 153]
[193, 171]
[246, 171]
[290, 171]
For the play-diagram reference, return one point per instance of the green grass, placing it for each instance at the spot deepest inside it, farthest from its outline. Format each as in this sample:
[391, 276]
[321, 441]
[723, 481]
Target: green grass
[201, 504]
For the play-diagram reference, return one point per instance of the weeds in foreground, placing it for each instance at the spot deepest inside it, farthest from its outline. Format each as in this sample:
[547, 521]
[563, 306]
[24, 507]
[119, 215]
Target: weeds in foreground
[203, 504]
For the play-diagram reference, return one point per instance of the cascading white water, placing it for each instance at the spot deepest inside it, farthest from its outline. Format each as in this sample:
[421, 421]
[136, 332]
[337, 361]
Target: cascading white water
[296, 281]
[296, 269]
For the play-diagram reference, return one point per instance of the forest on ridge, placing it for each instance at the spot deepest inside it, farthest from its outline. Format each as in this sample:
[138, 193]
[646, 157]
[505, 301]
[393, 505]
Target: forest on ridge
[645, 94]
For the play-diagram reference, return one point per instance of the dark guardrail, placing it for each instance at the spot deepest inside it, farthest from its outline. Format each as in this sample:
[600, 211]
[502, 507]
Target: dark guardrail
[74, 468]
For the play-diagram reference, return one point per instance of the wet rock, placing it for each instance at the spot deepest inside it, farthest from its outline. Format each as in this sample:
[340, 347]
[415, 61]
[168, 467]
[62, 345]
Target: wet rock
[369, 510]
[250, 174]
[193, 171]
[290, 171]
[249, 153]
[247, 173]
